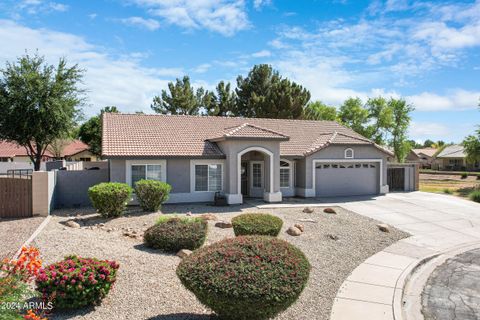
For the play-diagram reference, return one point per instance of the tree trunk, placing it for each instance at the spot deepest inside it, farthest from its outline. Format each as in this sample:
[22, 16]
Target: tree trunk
[37, 162]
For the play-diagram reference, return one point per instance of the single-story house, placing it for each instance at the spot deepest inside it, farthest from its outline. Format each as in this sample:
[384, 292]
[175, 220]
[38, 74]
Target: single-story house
[241, 157]
[453, 157]
[425, 157]
[74, 150]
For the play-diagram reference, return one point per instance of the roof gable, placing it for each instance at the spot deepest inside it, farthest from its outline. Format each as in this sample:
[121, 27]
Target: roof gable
[250, 131]
[453, 151]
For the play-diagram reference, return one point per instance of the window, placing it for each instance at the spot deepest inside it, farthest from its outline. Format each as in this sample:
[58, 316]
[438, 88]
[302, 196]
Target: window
[86, 159]
[349, 153]
[257, 175]
[208, 177]
[146, 171]
[4, 159]
[284, 174]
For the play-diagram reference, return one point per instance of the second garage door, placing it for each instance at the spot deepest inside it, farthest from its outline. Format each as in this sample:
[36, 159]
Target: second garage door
[346, 179]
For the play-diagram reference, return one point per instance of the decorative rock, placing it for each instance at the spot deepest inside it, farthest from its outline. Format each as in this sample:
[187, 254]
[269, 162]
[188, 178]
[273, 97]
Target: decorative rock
[307, 220]
[101, 224]
[188, 214]
[72, 224]
[183, 253]
[294, 231]
[329, 210]
[223, 224]
[209, 216]
[332, 236]
[308, 210]
[299, 227]
[383, 227]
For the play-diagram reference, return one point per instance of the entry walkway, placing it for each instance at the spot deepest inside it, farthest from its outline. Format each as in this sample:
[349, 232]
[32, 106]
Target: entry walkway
[437, 223]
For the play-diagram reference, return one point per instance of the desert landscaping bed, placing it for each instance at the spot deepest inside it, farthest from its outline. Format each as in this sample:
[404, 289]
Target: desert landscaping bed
[14, 232]
[148, 288]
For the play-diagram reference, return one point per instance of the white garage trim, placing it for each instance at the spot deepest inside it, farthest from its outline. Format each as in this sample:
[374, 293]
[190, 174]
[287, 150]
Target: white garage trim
[315, 161]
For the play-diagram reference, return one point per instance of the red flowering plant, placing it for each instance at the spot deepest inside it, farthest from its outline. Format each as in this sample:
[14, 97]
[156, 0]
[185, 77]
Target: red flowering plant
[76, 282]
[16, 276]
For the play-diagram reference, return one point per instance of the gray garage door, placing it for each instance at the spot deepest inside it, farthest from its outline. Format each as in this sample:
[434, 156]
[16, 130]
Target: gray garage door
[346, 179]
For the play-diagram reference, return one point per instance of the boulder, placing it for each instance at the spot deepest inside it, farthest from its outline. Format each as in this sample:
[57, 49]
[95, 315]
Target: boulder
[223, 224]
[308, 210]
[72, 224]
[299, 227]
[383, 227]
[329, 210]
[294, 231]
[183, 253]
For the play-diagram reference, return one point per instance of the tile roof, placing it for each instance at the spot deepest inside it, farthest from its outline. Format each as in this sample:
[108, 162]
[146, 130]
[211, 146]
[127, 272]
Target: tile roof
[426, 151]
[142, 135]
[11, 149]
[247, 130]
[453, 151]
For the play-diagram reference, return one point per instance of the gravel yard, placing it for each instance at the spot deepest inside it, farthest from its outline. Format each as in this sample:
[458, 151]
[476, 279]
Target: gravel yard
[14, 233]
[148, 288]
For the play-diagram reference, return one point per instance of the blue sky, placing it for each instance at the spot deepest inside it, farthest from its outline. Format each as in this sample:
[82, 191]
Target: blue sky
[425, 51]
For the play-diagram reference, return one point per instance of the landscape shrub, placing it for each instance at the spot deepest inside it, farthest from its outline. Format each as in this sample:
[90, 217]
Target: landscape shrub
[447, 191]
[475, 195]
[172, 234]
[249, 277]
[257, 224]
[76, 282]
[110, 198]
[464, 175]
[152, 194]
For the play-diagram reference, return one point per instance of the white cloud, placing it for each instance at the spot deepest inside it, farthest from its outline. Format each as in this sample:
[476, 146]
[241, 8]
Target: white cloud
[149, 24]
[257, 4]
[226, 17]
[428, 130]
[34, 7]
[261, 54]
[454, 100]
[109, 80]
[204, 67]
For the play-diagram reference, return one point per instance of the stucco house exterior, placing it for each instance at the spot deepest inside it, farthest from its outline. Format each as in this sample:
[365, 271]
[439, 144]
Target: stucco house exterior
[242, 157]
[454, 158]
[425, 157]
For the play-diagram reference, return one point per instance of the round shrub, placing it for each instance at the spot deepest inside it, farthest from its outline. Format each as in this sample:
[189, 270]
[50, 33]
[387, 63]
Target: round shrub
[250, 277]
[110, 198]
[151, 194]
[257, 224]
[76, 282]
[464, 175]
[173, 234]
[475, 196]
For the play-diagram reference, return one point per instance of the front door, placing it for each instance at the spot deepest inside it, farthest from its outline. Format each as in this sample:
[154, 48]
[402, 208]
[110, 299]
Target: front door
[244, 178]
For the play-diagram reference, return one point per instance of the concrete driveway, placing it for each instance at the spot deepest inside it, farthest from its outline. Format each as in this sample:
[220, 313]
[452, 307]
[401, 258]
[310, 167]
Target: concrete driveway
[437, 223]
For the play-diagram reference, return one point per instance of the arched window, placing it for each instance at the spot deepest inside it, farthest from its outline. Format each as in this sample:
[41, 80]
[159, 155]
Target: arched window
[285, 170]
[349, 153]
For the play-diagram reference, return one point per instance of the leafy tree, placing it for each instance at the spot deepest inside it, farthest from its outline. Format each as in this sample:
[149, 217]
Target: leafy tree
[57, 146]
[472, 147]
[319, 111]
[38, 103]
[428, 143]
[380, 116]
[181, 98]
[90, 132]
[401, 121]
[222, 103]
[438, 144]
[355, 116]
[265, 94]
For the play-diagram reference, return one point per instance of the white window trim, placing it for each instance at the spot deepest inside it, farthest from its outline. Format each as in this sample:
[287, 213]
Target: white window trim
[262, 170]
[315, 161]
[193, 163]
[290, 174]
[130, 163]
[345, 153]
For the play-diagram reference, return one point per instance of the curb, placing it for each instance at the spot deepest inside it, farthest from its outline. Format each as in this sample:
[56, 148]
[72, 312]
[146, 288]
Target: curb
[33, 236]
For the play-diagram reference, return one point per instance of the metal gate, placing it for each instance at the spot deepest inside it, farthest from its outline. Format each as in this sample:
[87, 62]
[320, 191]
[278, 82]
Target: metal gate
[16, 196]
[396, 179]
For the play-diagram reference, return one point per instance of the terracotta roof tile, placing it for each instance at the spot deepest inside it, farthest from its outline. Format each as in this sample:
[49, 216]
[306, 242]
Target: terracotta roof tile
[11, 149]
[136, 135]
[247, 130]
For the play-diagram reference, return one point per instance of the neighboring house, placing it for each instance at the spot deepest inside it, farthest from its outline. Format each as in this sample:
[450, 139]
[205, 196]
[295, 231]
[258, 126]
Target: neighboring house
[75, 150]
[424, 157]
[454, 158]
[241, 157]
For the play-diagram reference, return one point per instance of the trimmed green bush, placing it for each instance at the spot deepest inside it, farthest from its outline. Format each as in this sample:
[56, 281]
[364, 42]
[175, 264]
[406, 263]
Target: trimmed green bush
[464, 175]
[152, 194]
[250, 277]
[257, 224]
[475, 196]
[172, 234]
[447, 191]
[76, 282]
[110, 198]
